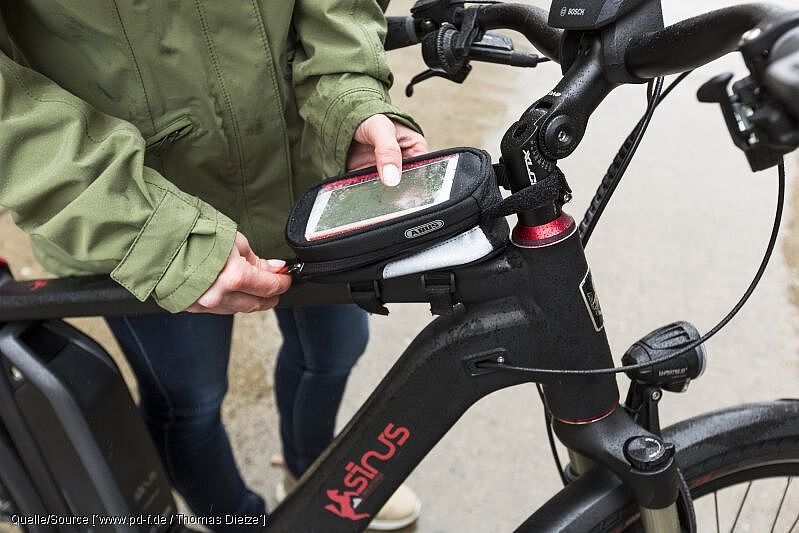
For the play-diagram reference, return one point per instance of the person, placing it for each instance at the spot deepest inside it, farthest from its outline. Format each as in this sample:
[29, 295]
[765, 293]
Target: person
[164, 143]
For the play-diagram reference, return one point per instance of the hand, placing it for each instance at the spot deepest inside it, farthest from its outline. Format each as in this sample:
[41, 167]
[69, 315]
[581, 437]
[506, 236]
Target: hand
[381, 142]
[246, 284]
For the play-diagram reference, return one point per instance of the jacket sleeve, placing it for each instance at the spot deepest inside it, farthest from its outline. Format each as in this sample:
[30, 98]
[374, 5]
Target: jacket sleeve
[75, 180]
[340, 72]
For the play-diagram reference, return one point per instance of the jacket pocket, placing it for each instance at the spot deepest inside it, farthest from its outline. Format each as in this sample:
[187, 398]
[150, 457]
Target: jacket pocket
[158, 142]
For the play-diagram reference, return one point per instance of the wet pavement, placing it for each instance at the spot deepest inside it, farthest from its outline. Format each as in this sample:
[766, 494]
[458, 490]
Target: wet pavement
[680, 241]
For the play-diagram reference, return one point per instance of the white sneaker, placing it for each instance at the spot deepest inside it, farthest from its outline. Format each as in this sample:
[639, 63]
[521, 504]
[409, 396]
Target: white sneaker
[401, 510]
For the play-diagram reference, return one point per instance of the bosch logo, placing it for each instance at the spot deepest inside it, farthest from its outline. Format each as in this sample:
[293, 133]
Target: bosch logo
[572, 11]
[424, 229]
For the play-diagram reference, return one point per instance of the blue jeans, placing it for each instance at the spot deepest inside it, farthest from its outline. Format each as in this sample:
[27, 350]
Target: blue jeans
[180, 362]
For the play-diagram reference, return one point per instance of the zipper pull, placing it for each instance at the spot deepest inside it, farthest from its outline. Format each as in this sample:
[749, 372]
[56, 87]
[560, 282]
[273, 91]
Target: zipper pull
[292, 268]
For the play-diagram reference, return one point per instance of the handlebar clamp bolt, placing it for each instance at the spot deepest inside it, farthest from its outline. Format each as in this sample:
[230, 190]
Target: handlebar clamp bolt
[560, 137]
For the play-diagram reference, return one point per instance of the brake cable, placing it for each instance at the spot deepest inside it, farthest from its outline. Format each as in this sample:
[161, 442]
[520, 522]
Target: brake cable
[624, 156]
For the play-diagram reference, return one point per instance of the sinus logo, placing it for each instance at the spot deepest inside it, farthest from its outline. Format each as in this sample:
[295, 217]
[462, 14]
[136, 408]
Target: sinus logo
[424, 229]
[363, 477]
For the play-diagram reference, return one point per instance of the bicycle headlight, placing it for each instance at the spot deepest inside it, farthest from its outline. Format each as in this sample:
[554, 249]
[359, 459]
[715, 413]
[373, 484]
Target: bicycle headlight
[674, 374]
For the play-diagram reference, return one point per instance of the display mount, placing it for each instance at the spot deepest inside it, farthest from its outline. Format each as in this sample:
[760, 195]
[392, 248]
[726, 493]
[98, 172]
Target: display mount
[589, 14]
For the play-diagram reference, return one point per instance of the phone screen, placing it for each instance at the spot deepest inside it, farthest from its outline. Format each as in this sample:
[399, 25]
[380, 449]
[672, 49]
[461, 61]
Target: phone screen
[361, 201]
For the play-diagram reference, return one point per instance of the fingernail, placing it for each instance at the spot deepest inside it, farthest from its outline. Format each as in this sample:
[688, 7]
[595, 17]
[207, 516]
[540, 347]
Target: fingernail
[276, 263]
[391, 175]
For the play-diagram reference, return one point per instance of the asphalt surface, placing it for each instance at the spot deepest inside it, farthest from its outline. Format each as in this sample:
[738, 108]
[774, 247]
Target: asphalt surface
[681, 241]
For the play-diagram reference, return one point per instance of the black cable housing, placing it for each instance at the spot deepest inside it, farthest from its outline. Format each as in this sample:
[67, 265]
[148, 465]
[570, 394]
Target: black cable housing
[624, 157]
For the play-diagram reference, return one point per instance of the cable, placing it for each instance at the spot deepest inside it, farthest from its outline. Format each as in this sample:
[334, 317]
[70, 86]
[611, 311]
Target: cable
[551, 436]
[620, 163]
[690, 346]
[674, 85]
[623, 158]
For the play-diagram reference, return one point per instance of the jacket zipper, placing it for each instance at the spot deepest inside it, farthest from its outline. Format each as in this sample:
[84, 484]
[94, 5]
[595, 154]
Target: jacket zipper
[160, 140]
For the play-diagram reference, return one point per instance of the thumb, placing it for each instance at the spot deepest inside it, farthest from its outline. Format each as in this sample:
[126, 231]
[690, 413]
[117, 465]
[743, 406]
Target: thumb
[388, 155]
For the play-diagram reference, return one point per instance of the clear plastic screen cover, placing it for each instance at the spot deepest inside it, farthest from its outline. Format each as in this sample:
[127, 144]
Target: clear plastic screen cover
[358, 202]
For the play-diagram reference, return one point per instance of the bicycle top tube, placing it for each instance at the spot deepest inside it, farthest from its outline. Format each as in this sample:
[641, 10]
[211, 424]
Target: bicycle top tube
[101, 296]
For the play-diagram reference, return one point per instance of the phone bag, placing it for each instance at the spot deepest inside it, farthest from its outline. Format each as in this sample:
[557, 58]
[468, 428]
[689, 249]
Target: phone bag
[442, 214]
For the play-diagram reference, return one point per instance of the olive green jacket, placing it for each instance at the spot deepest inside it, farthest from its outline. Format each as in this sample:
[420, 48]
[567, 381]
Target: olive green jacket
[136, 136]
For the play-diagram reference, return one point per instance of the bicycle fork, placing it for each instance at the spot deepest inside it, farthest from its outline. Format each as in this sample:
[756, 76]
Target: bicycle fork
[585, 408]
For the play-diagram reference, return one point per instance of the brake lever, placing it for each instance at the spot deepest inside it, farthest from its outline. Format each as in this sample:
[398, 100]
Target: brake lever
[759, 127]
[491, 48]
[759, 123]
[458, 77]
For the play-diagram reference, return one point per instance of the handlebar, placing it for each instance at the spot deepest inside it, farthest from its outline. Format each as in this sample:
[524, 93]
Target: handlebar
[530, 21]
[696, 41]
[677, 48]
[401, 33]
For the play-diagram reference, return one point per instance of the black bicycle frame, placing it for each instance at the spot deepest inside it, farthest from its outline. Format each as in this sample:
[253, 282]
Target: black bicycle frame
[534, 305]
[528, 307]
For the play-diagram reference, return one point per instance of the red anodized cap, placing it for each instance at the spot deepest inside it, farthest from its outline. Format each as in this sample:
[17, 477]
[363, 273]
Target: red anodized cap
[544, 235]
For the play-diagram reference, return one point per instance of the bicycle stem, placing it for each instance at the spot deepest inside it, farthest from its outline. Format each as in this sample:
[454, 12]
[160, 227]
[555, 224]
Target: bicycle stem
[553, 127]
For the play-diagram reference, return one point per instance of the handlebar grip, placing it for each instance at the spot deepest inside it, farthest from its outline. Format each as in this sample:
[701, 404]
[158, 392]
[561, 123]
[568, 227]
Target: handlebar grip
[401, 33]
[782, 75]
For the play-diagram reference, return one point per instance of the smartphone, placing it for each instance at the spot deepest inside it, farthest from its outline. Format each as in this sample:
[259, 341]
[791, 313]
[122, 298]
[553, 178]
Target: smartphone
[358, 202]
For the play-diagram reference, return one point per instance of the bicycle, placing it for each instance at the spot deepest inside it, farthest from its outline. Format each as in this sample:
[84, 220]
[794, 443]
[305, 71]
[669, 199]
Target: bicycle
[526, 315]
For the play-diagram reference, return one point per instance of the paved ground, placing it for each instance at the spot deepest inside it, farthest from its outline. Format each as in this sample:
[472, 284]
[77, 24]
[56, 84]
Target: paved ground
[680, 241]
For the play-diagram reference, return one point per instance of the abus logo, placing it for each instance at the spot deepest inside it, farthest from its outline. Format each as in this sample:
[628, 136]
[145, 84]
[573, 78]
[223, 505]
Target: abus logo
[424, 229]
[365, 475]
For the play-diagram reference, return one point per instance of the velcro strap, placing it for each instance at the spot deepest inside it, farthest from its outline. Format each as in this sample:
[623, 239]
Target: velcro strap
[501, 175]
[366, 295]
[439, 287]
[551, 189]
